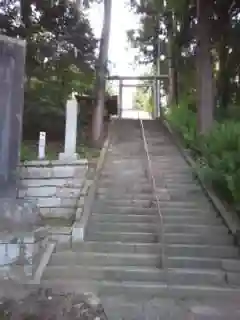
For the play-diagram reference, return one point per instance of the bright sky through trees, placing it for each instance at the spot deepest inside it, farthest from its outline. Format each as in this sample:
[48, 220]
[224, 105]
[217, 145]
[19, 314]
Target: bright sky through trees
[120, 52]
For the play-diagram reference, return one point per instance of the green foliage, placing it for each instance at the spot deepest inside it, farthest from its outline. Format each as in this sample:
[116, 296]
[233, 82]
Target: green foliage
[183, 119]
[60, 56]
[143, 99]
[220, 150]
[176, 20]
[217, 153]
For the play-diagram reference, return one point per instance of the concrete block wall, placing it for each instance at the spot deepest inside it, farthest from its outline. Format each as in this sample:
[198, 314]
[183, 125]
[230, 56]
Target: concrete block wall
[54, 185]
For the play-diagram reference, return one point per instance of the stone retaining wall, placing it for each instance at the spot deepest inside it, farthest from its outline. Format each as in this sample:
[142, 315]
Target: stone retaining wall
[55, 186]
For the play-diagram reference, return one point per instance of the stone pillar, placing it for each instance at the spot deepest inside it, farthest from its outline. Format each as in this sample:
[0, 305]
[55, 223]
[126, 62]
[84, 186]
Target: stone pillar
[158, 99]
[42, 145]
[70, 131]
[155, 99]
[12, 62]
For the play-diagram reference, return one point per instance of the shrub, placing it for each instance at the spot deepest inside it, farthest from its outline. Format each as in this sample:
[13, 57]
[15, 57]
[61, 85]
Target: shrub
[184, 122]
[220, 150]
[217, 153]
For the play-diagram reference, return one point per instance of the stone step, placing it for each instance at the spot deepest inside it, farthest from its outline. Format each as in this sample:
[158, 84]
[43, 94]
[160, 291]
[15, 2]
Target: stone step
[140, 274]
[160, 170]
[148, 203]
[151, 227]
[182, 196]
[173, 219]
[156, 248]
[140, 290]
[95, 226]
[133, 189]
[121, 176]
[131, 181]
[141, 237]
[168, 211]
[128, 218]
[173, 238]
[128, 196]
[160, 180]
[125, 202]
[68, 258]
[187, 185]
[101, 209]
[163, 194]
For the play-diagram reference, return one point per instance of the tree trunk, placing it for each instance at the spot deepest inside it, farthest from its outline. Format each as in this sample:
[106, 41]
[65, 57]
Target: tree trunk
[172, 72]
[204, 68]
[223, 79]
[223, 76]
[156, 62]
[98, 113]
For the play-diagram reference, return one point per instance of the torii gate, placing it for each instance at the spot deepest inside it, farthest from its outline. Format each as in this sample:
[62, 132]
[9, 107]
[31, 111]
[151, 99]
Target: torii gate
[155, 84]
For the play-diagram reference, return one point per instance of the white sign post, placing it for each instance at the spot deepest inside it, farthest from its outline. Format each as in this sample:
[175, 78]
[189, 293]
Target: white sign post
[70, 131]
[41, 145]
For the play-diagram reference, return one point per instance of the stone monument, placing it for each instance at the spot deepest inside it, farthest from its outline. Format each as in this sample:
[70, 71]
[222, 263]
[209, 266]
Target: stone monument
[70, 131]
[18, 219]
[12, 58]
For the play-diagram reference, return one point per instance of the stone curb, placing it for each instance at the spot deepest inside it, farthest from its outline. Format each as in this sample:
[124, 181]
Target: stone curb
[49, 163]
[87, 195]
[230, 218]
[43, 262]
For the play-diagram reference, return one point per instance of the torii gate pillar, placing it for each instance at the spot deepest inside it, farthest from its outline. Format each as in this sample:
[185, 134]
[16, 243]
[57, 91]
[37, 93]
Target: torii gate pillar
[120, 96]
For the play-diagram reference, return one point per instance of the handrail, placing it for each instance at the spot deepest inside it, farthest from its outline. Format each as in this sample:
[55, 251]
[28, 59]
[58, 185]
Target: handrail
[150, 172]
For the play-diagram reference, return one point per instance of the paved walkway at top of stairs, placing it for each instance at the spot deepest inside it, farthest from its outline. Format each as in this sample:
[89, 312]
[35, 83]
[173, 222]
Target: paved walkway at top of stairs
[120, 259]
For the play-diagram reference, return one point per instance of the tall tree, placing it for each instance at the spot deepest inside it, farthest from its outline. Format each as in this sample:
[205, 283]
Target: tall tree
[204, 67]
[97, 126]
[60, 53]
[202, 50]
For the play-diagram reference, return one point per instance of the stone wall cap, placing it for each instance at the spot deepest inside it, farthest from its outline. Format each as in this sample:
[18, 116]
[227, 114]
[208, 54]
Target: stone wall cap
[18, 41]
[51, 163]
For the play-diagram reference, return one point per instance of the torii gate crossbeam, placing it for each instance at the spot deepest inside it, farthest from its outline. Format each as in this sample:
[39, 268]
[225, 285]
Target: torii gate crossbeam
[154, 79]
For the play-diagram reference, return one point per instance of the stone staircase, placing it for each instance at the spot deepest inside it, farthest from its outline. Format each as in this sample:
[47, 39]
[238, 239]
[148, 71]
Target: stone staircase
[120, 259]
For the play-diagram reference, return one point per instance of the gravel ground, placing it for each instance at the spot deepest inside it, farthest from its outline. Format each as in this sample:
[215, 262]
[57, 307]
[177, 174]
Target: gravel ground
[43, 304]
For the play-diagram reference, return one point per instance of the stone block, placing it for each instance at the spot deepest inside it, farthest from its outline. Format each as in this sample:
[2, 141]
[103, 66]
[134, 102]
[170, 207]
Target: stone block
[68, 202]
[68, 158]
[80, 172]
[63, 171]
[28, 183]
[49, 202]
[65, 213]
[40, 192]
[77, 232]
[73, 182]
[64, 192]
[35, 173]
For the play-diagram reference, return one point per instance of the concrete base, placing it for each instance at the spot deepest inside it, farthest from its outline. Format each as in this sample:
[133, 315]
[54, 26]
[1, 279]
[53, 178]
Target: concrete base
[78, 232]
[69, 157]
